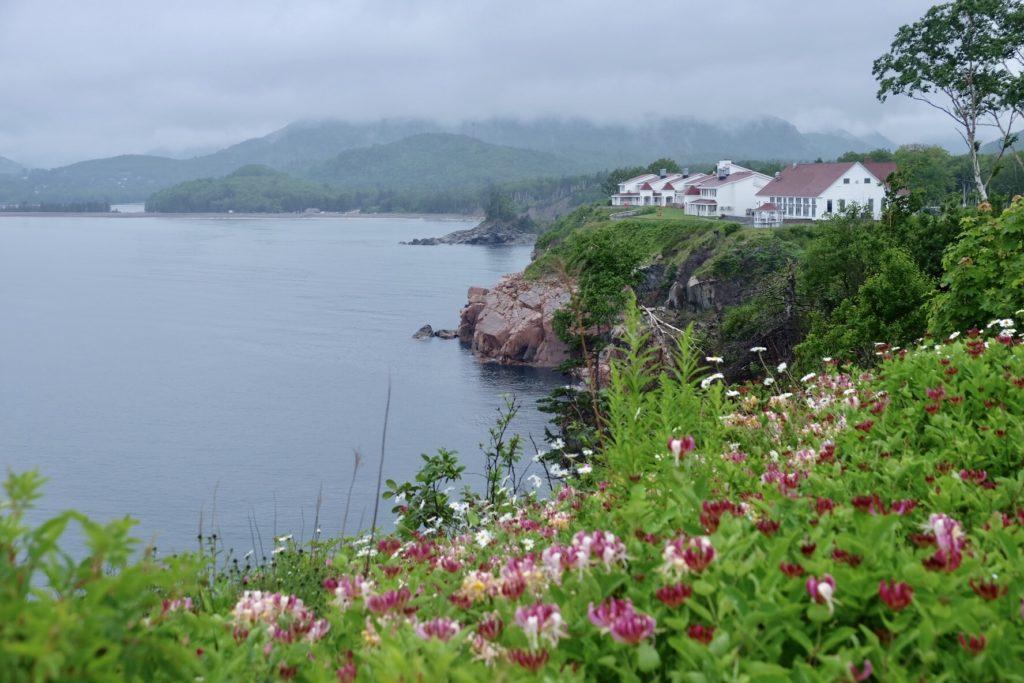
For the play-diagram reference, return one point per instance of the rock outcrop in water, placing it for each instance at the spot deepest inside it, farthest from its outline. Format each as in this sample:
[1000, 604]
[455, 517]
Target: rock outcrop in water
[488, 233]
[511, 322]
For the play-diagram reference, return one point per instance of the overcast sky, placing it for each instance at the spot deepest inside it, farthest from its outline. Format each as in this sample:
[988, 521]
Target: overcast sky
[82, 79]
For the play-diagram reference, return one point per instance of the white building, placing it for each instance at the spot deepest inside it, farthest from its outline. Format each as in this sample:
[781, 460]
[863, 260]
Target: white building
[730, 191]
[818, 191]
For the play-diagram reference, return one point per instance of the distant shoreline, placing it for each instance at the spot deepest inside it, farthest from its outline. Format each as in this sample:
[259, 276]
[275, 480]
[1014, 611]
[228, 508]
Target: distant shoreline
[233, 216]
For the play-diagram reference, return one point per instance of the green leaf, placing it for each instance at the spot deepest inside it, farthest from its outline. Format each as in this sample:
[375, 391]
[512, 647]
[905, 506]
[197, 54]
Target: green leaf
[647, 657]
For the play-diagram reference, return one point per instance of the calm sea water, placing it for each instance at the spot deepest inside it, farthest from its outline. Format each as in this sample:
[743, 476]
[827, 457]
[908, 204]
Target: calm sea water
[167, 367]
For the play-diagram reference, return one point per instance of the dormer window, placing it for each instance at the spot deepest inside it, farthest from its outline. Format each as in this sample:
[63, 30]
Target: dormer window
[867, 181]
[846, 181]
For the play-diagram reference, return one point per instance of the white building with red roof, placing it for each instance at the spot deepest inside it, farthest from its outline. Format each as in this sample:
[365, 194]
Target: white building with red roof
[730, 191]
[819, 191]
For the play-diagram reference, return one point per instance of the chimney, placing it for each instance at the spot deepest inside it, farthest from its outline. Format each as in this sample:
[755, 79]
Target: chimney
[777, 174]
[686, 172]
[663, 173]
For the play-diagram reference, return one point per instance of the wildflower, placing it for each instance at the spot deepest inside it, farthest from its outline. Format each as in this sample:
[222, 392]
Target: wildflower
[732, 393]
[949, 539]
[791, 569]
[483, 538]
[285, 616]
[896, 595]
[701, 633]
[347, 589]
[822, 590]
[688, 555]
[584, 469]
[606, 614]
[781, 367]
[989, 590]
[674, 595]
[713, 359]
[442, 629]
[971, 643]
[633, 627]
[864, 673]
[758, 349]
[391, 601]
[531, 661]
[710, 379]
[388, 546]
[535, 480]
[598, 546]
[490, 626]
[347, 672]
[768, 381]
[485, 651]
[808, 377]
[681, 446]
[176, 605]
[541, 620]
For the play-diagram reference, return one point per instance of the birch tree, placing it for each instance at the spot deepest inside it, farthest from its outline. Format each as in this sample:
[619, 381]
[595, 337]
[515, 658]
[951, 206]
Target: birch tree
[955, 59]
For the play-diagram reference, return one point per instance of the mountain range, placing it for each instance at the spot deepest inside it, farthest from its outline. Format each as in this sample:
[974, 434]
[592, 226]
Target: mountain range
[400, 153]
[8, 167]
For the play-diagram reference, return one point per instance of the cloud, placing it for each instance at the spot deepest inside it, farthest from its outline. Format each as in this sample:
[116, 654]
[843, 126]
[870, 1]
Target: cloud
[112, 76]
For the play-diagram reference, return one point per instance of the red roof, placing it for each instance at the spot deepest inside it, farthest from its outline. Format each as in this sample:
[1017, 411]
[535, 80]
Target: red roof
[704, 201]
[645, 186]
[714, 181]
[810, 180]
[668, 186]
[767, 206]
[692, 190]
[881, 169]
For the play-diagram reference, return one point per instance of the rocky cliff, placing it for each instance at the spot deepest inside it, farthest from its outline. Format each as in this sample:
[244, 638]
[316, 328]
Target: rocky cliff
[511, 322]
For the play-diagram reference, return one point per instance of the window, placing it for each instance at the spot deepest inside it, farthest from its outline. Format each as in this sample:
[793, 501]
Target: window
[846, 181]
[871, 204]
[867, 181]
[829, 207]
[842, 205]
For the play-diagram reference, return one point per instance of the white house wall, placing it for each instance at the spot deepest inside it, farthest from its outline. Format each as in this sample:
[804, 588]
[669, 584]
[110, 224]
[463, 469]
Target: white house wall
[856, 191]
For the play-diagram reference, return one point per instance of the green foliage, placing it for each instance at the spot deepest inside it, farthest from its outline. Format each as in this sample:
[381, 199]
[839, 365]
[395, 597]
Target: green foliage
[838, 261]
[984, 276]
[423, 503]
[873, 155]
[604, 264]
[889, 307]
[843, 474]
[97, 617]
[498, 206]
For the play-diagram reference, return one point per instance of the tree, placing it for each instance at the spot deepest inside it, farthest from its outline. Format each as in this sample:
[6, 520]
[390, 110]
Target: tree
[927, 171]
[890, 306]
[665, 164]
[498, 206]
[954, 59]
[874, 155]
[984, 276]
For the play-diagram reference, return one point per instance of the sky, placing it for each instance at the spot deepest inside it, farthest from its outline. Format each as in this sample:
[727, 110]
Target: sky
[89, 79]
